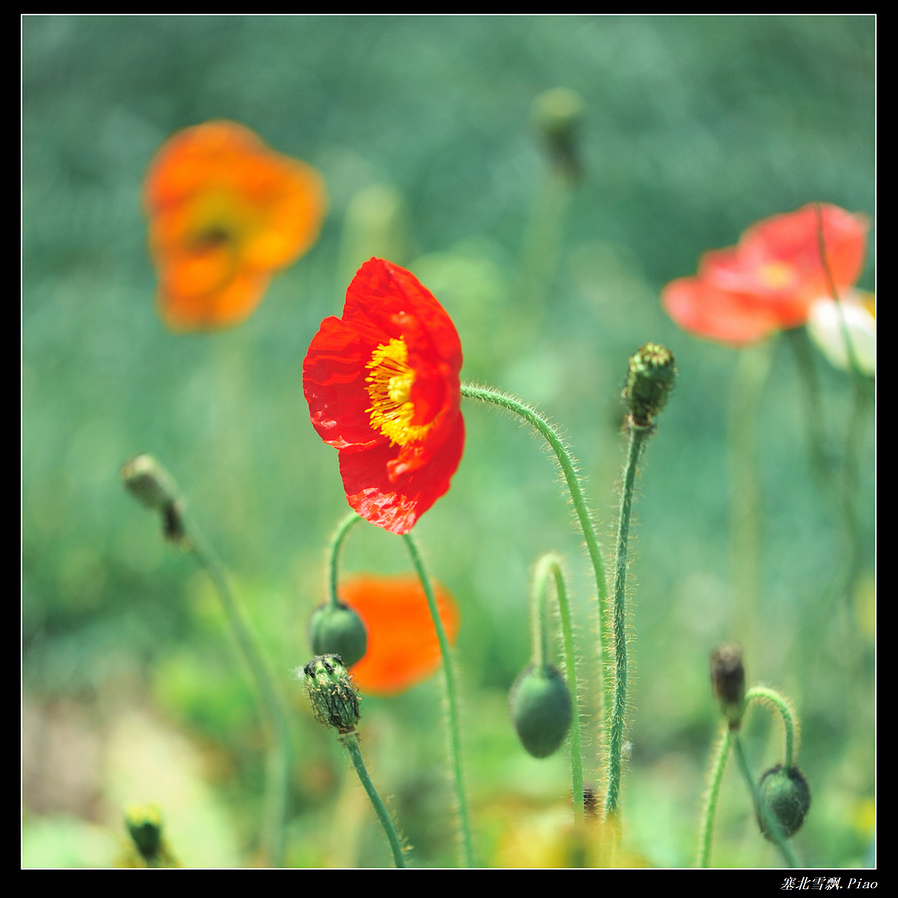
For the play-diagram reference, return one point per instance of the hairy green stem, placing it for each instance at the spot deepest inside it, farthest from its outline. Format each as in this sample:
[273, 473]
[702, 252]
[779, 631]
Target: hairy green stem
[351, 741]
[581, 510]
[729, 739]
[772, 823]
[790, 725]
[333, 554]
[638, 438]
[452, 702]
[550, 565]
[706, 831]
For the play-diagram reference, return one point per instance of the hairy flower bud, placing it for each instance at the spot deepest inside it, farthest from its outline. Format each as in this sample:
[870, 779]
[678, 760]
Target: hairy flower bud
[332, 693]
[649, 382]
[541, 709]
[338, 630]
[787, 796]
[728, 681]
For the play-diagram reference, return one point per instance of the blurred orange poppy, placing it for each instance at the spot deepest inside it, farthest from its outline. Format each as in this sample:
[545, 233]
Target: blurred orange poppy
[226, 213]
[769, 281]
[403, 649]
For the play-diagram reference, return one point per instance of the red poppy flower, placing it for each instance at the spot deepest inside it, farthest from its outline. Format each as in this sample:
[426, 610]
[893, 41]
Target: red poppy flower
[226, 212]
[382, 384]
[403, 649]
[770, 279]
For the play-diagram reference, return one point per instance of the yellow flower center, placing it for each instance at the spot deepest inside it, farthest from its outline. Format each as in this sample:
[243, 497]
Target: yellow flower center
[776, 274]
[389, 386]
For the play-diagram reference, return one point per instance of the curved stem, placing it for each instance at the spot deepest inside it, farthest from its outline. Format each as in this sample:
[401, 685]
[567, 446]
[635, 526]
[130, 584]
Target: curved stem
[550, 565]
[584, 518]
[451, 699]
[277, 780]
[351, 741]
[638, 437]
[773, 826]
[790, 725]
[333, 554]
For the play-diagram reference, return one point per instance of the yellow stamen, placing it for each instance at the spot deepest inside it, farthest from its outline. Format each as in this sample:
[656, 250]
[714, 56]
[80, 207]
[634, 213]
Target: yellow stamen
[776, 274]
[390, 388]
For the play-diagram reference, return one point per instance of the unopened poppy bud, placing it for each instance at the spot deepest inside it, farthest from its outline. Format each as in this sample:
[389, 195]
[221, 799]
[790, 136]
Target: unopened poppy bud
[541, 709]
[144, 824]
[787, 796]
[332, 693]
[338, 630]
[558, 115]
[152, 485]
[146, 479]
[649, 382]
[728, 681]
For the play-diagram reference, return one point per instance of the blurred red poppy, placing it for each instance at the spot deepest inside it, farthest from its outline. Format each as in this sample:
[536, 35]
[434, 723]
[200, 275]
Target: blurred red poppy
[403, 648]
[226, 213]
[769, 281]
[382, 384]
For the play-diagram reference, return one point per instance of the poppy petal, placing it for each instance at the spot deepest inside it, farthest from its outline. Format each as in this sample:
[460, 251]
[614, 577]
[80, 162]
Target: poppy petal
[382, 384]
[769, 281]
[403, 648]
[226, 213]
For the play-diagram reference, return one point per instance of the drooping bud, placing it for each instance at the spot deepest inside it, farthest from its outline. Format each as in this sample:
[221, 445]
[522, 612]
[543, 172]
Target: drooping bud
[541, 709]
[728, 682]
[338, 630]
[649, 382]
[152, 485]
[787, 796]
[558, 115]
[332, 693]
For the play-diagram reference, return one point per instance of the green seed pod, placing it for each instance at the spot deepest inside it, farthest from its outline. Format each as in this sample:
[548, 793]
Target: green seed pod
[338, 630]
[788, 797]
[541, 709]
[649, 382]
[332, 692]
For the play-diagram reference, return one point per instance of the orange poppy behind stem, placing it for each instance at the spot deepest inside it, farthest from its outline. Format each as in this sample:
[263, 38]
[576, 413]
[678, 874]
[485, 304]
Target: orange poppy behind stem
[403, 649]
[226, 213]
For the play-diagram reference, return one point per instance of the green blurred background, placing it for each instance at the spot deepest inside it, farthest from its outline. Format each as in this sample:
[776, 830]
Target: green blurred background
[693, 128]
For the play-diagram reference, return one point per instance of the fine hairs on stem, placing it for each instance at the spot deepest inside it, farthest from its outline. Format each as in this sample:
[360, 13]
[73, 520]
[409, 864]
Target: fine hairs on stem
[452, 702]
[335, 703]
[568, 468]
[335, 625]
[781, 798]
[651, 376]
[650, 379]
